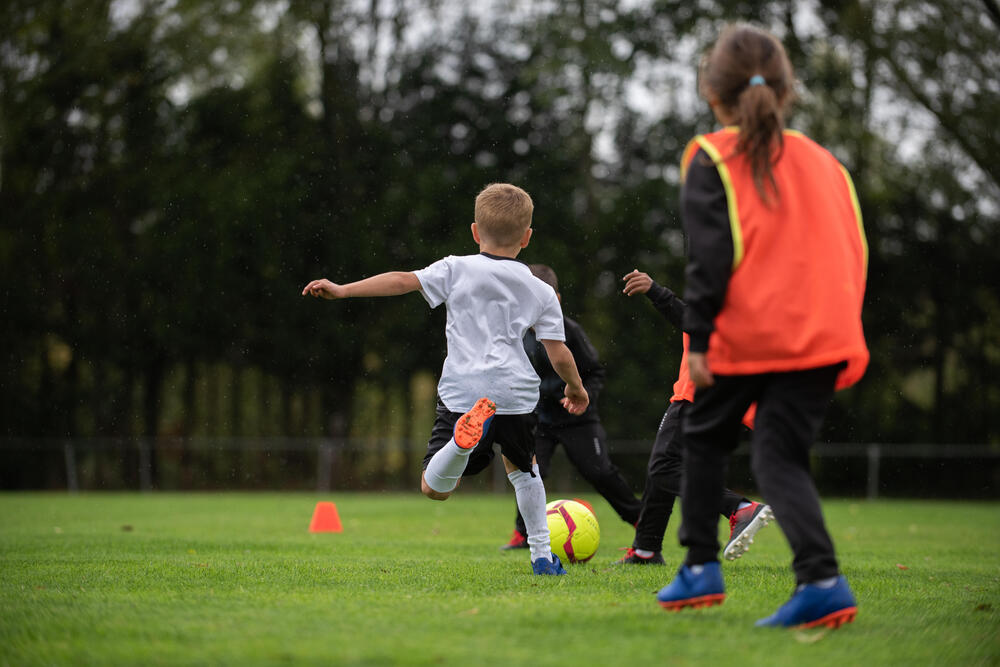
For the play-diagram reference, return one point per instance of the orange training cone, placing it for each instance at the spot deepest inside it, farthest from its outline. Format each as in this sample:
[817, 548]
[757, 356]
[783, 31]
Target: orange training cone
[325, 519]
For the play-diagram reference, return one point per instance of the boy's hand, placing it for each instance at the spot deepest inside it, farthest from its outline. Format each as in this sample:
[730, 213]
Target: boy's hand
[324, 289]
[637, 282]
[576, 402]
[700, 373]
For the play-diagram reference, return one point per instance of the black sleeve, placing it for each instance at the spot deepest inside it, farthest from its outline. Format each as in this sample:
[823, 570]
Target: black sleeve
[705, 212]
[667, 303]
[587, 361]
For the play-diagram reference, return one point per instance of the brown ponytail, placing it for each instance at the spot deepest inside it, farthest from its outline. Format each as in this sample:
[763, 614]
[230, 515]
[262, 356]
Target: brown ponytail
[748, 73]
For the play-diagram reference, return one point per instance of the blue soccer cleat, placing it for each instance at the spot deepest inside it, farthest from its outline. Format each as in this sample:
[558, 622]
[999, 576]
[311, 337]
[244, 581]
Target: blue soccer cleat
[694, 590]
[544, 566]
[811, 606]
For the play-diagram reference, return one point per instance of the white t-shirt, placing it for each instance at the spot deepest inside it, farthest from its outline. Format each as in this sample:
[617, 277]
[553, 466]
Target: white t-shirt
[491, 302]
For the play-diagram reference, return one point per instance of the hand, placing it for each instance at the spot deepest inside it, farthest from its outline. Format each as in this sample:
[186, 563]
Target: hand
[576, 401]
[700, 373]
[324, 289]
[637, 282]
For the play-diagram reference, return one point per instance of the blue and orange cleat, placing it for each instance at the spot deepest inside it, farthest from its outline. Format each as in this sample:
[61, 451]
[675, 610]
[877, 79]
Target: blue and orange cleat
[812, 606]
[544, 566]
[470, 427]
[688, 589]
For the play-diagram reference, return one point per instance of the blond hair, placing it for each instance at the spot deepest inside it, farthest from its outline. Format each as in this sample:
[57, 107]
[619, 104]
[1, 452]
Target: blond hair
[503, 213]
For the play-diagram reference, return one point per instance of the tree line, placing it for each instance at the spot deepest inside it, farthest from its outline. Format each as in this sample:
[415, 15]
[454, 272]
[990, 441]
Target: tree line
[171, 174]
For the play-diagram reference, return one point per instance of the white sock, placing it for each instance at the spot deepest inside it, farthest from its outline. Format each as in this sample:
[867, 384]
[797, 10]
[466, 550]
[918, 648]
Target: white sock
[829, 582]
[530, 494]
[446, 467]
[642, 553]
[743, 504]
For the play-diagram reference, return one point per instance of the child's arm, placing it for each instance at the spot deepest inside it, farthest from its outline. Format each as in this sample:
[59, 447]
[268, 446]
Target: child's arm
[588, 362]
[671, 307]
[561, 358]
[392, 283]
[666, 302]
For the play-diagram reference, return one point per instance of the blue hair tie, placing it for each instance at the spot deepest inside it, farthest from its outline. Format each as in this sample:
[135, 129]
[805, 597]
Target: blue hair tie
[757, 80]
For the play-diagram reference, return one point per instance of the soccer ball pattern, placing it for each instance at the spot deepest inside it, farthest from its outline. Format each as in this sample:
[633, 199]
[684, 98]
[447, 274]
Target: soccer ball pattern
[573, 530]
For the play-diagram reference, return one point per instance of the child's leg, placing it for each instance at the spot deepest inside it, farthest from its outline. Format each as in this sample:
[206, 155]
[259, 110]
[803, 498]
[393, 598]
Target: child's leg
[790, 414]
[530, 493]
[444, 470]
[663, 483]
[732, 501]
[445, 467]
[429, 491]
[586, 447]
[545, 447]
[711, 428]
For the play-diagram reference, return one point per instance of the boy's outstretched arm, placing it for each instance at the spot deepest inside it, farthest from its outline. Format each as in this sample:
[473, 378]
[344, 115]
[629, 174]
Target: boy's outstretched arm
[562, 361]
[392, 283]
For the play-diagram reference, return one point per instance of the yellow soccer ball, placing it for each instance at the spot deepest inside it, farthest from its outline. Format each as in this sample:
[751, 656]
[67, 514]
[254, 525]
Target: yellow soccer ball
[573, 530]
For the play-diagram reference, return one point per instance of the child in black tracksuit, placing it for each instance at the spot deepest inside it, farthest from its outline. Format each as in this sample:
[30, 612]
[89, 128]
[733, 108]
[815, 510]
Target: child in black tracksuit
[664, 472]
[582, 436]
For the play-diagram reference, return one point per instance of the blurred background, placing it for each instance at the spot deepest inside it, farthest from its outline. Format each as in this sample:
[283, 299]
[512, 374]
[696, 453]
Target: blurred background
[173, 172]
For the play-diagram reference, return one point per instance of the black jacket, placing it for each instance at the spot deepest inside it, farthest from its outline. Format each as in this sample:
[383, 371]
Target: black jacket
[550, 412]
[667, 303]
[705, 212]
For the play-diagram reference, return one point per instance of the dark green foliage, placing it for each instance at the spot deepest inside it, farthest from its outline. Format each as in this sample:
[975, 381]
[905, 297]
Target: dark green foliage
[170, 180]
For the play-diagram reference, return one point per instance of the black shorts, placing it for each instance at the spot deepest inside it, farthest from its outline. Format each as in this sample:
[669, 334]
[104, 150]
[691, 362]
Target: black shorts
[514, 433]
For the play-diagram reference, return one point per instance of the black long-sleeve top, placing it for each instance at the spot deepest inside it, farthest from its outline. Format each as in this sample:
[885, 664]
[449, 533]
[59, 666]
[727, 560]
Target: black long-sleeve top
[551, 391]
[667, 303]
[705, 213]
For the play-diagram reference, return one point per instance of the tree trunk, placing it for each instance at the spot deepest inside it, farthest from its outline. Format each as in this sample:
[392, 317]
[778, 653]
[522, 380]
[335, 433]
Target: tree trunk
[188, 396]
[125, 431]
[152, 404]
[236, 403]
[940, 358]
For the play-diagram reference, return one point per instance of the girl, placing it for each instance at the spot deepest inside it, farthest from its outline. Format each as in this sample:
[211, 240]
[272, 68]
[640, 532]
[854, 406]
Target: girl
[777, 260]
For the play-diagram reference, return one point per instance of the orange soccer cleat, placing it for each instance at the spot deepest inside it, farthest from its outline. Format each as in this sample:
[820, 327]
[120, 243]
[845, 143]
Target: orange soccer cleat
[471, 426]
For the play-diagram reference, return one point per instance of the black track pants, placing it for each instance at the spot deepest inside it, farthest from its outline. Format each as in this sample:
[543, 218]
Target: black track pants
[790, 410]
[663, 482]
[586, 448]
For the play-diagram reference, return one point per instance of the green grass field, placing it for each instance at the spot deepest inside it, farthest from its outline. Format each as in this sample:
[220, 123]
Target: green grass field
[238, 579]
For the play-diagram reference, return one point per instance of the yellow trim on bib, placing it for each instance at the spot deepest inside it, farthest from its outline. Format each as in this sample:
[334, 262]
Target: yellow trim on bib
[857, 214]
[686, 157]
[727, 183]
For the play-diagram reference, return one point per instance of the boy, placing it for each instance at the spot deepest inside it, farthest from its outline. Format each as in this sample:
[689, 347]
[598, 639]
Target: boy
[582, 436]
[491, 299]
[663, 479]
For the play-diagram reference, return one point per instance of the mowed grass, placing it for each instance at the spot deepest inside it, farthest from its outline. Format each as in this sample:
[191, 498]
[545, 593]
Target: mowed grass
[237, 579]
